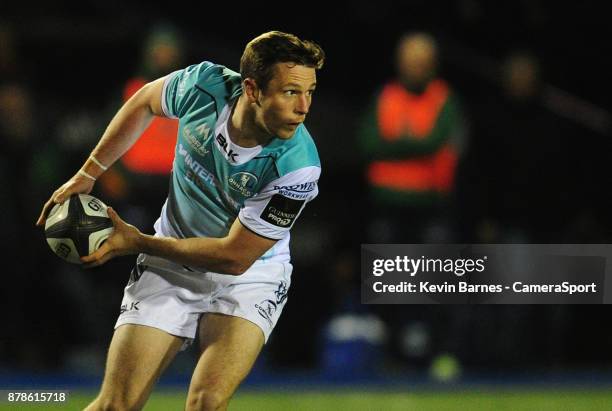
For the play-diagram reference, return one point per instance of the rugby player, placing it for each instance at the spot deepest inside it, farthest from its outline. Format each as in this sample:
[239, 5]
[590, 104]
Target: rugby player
[218, 265]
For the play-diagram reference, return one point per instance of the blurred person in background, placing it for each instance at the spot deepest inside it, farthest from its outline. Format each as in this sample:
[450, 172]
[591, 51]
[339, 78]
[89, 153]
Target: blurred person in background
[412, 137]
[137, 184]
[519, 188]
[520, 160]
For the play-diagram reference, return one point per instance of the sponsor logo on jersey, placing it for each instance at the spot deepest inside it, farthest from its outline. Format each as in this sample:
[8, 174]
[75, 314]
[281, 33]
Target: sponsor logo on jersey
[182, 86]
[197, 168]
[230, 154]
[281, 211]
[203, 179]
[196, 140]
[243, 182]
[297, 191]
[299, 188]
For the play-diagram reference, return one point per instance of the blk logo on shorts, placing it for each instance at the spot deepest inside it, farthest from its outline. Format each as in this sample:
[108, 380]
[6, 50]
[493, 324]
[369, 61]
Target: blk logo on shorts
[132, 307]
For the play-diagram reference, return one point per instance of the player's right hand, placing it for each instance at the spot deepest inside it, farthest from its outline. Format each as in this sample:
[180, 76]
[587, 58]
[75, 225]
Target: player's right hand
[124, 240]
[78, 184]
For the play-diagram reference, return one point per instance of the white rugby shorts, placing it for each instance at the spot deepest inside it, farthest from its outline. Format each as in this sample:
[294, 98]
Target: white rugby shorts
[172, 297]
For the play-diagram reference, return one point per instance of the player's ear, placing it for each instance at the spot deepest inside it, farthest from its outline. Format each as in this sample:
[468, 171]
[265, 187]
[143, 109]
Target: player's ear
[251, 90]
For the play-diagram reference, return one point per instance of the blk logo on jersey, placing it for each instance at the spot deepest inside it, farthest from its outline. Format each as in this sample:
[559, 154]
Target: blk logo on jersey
[231, 155]
[282, 211]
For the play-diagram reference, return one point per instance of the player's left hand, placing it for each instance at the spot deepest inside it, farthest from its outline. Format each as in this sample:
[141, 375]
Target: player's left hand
[123, 241]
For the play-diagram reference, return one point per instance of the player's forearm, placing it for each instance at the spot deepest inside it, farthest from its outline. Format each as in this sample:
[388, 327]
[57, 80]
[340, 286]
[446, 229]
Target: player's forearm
[213, 254]
[122, 132]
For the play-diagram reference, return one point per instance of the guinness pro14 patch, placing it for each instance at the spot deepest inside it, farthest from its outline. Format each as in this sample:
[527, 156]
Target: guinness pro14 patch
[281, 211]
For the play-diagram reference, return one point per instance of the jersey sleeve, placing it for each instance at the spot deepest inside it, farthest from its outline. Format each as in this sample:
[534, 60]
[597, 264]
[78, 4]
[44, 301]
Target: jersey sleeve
[273, 211]
[179, 91]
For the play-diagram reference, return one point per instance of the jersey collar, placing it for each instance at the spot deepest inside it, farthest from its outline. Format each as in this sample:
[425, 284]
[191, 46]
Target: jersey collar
[233, 153]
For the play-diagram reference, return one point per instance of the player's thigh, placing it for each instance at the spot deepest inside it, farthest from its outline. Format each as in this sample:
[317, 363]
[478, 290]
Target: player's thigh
[137, 356]
[229, 347]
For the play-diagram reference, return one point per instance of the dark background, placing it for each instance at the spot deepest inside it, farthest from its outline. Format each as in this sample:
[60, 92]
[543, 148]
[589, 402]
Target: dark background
[73, 59]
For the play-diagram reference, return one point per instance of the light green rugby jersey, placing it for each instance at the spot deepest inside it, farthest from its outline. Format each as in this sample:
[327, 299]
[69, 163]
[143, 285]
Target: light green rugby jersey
[207, 191]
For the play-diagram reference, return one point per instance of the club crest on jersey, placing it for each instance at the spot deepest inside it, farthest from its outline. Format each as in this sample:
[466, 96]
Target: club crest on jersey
[243, 182]
[230, 154]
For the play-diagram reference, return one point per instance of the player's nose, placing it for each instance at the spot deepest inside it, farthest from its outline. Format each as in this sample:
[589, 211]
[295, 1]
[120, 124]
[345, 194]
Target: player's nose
[303, 105]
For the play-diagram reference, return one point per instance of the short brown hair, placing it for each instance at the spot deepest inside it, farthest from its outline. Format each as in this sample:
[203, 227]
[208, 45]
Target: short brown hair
[264, 51]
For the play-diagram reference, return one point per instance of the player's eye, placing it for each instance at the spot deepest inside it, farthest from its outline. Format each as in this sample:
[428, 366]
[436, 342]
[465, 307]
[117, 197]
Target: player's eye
[310, 92]
[290, 92]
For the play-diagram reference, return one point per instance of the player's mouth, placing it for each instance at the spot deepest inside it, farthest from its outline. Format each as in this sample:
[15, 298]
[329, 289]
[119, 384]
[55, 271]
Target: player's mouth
[294, 125]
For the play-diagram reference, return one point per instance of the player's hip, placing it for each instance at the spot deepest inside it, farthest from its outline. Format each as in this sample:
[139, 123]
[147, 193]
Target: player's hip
[192, 277]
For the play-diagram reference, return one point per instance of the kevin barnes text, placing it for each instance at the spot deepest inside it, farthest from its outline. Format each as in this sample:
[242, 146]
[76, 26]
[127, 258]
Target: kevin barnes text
[463, 287]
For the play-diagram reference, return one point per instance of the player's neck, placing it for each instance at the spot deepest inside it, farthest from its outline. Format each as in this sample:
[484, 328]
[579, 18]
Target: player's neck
[242, 128]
